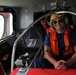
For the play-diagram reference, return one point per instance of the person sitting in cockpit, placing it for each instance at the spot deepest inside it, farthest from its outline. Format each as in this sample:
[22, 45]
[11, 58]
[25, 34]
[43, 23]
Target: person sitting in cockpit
[59, 46]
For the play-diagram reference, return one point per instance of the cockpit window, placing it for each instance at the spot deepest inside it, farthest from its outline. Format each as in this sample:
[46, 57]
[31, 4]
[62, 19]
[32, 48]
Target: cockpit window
[6, 24]
[1, 25]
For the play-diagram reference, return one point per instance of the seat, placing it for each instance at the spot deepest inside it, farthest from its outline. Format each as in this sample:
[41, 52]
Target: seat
[32, 40]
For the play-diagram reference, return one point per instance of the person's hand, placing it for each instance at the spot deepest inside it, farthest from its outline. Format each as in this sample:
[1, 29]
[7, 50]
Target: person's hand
[60, 64]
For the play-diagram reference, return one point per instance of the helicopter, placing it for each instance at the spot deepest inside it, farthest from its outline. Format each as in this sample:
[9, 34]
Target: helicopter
[27, 70]
[22, 35]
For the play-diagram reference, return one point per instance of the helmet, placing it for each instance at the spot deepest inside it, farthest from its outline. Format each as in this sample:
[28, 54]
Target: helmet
[54, 16]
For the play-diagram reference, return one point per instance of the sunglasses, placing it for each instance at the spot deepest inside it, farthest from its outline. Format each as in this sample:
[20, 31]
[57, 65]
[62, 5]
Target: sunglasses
[59, 21]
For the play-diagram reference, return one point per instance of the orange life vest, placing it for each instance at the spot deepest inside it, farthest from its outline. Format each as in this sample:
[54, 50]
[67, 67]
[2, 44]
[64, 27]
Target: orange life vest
[47, 29]
[54, 42]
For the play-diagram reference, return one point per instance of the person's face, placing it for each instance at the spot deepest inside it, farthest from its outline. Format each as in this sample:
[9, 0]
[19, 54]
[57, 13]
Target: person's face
[58, 24]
